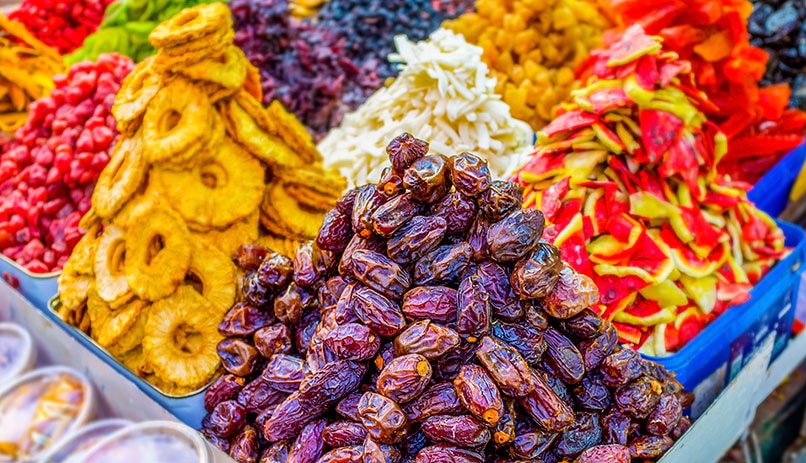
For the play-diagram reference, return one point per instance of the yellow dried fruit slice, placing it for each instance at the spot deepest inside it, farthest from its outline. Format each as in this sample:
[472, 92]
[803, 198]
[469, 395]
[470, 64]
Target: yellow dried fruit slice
[191, 24]
[284, 246]
[132, 338]
[312, 186]
[229, 239]
[266, 147]
[252, 84]
[285, 216]
[110, 263]
[136, 92]
[120, 322]
[157, 251]
[121, 178]
[222, 190]
[291, 131]
[181, 339]
[228, 70]
[177, 122]
[212, 274]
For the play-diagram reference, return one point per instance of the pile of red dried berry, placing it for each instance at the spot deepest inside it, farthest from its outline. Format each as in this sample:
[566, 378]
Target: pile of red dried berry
[429, 323]
[61, 24]
[48, 171]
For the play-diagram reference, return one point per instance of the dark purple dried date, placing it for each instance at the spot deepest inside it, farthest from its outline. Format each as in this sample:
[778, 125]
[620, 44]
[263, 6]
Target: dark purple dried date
[584, 325]
[384, 420]
[336, 231]
[591, 393]
[504, 431]
[284, 372]
[448, 366]
[221, 443]
[442, 265]
[439, 399]
[308, 265]
[504, 302]
[469, 174]
[594, 351]
[276, 453]
[250, 256]
[649, 446]
[463, 430]
[427, 339]
[572, 294]
[404, 149]
[639, 397]
[682, 426]
[257, 395]
[605, 454]
[344, 433]
[563, 357]
[367, 199]
[545, 407]
[237, 356]
[457, 210]
[536, 317]
[416, 239]
[515, 235]
[427, 178]
[619, 368]
[443, 453]
[584, 433]
[380, 273]
[226, 387]
[348, 406]
[663, 419]
[506, 366]
[308, 446]
[345, 203]
[375, 452]
[275, 271]
[474, 312]
[477, 238]
[383, 316]
[615, 427]
[328, 294]
[530, 445]
[352, 341]
[478, 393]
[245, 446]
[226, 419]
[255, 293]
[305, 331]
[347, 454]
[524, 337]
[436, 303]
[289, 306]
[274, 339]
[404, 378]
[394, 214]
[534, 276]
[344, 307]
[372, 243]
[500, 199]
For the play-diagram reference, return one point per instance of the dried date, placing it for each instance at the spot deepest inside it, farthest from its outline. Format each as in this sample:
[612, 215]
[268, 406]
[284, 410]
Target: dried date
[416, 239]
[463, 430]
[457, 210]
[663, 419]
[284, 372]
[474, 312]
[226, 419]
[336, 231]
[427, 339]
[384, 420]
[587, 324]
[545, 407]
[563, 357]
[376, 311]
[439, 399]
[379, 273]
[515, 235]
[244, 319]
[375, 452]
[605, 454]
[469, 174]
[404, 378]
[274, 339]
[615, 427]
[597, 349]
[572, 294]
[427, 178]
[523, 336]
[478, 393]
[436, 303]
[237, 356]
[619, 368]
[592, 394]
[506, 366]
[404, 150]
[504, 302]
[532, 444]
[442, 265]
[584, 433]
[534, 276]
[347, 454]
[394, 214]
[344, 433]
[226, 387]
[308, 446]
[443, 453]
[367, 199]
[649, 446]
[500, 199]
[245, 446]
[352, 341]
[639, 397]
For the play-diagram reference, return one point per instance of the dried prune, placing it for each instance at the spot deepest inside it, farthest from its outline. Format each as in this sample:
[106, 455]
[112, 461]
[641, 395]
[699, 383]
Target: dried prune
[611, 453]
[524, 337]
[595, 350]
[383, 316]
[379, 273]
[563, 357]
[515, 235]
[346, 454]
[404, 378]
[545, 407]
[284, 372]
[336, 231]
[274, 339]
[367, 200]
[587, 324]
[250, 256]
[506, 366]
[478, 393]
[470, 174]
[427, 178]
[663, 419]
[457, 210]
[591, 393]
[500, 199]
[226, 387]
[383, 418]
[530, 445]
[237, 356]
[352, 341]
[427, 339]
[442, 265]
[308, 446]
[289, 306]
[343, 433]
[436, 303]
[572, 294]
[639, 397]
[226, 419]
[443, 453]
[619, 368]
[416, 239]
[404, 149]
[245, 446]
[474, 313]
[649, 446]
[534, 276]
[439, 399]
[376, 452]
[462, 430]
[584, 433]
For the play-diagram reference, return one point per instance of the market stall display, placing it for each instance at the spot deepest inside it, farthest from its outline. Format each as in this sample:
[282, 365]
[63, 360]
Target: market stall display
[27, 67]
[429, 321]
[61, 24]
[533, 48]
[185, 187]
[17, 352]
[712, 35]
[49, 170]
[444, 93]
[627, 180]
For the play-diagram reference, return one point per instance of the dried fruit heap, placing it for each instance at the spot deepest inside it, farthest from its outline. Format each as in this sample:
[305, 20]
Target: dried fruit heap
[49, 170]
[532, 48]
[27, 67]
[444, 93]
[62, 24]
[712, 35]
[626, 177]
[430, 323]
[152, 277]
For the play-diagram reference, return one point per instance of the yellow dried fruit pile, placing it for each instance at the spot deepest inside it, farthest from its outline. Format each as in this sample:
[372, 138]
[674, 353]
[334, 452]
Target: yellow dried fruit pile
[199, 166]
[533, 46]
[27, 67]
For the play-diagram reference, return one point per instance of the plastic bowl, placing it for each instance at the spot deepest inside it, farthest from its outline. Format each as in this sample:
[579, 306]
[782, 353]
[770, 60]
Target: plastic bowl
[17, 352]
[82, 440]
[21, 402]
[151, 441]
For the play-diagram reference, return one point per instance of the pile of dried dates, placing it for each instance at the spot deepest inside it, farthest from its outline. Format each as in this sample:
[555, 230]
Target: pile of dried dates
[430, 323]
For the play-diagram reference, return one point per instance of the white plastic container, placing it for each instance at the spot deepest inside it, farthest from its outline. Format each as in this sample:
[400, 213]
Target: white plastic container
[17, 352]
[40, 408]
[152, 442]
[82, 440]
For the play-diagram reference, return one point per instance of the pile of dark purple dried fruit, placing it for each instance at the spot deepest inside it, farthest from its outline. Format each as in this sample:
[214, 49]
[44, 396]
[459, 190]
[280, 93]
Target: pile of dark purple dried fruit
[429, 323]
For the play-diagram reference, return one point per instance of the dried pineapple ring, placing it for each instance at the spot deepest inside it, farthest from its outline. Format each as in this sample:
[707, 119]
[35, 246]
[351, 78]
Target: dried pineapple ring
[191, 24]
[285, 246]
[228, 70]
[252, 84]
[98, 311]
[121, 178]
[136, 92]
[190, 159]
[157, 252]
[132, 338]
[291, 131]
[110, 262]
[76, 278]
[259, 141]
[176, 121]
[120, 322]
[219, 192]
[134, 360]
[89, 220]
[181, 339]
[212, 274]
[229, 239]
[282, 212]
[312, 186]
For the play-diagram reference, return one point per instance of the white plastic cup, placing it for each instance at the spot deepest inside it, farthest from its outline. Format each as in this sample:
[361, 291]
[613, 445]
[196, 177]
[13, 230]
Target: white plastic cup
[13, 336]
[150, 441]
[9, 421]
[82, 440]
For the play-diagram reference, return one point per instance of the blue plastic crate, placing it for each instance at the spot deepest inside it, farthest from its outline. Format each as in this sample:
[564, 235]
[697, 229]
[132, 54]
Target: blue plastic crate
[716, 356]
[37, 288]
[771, 192]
